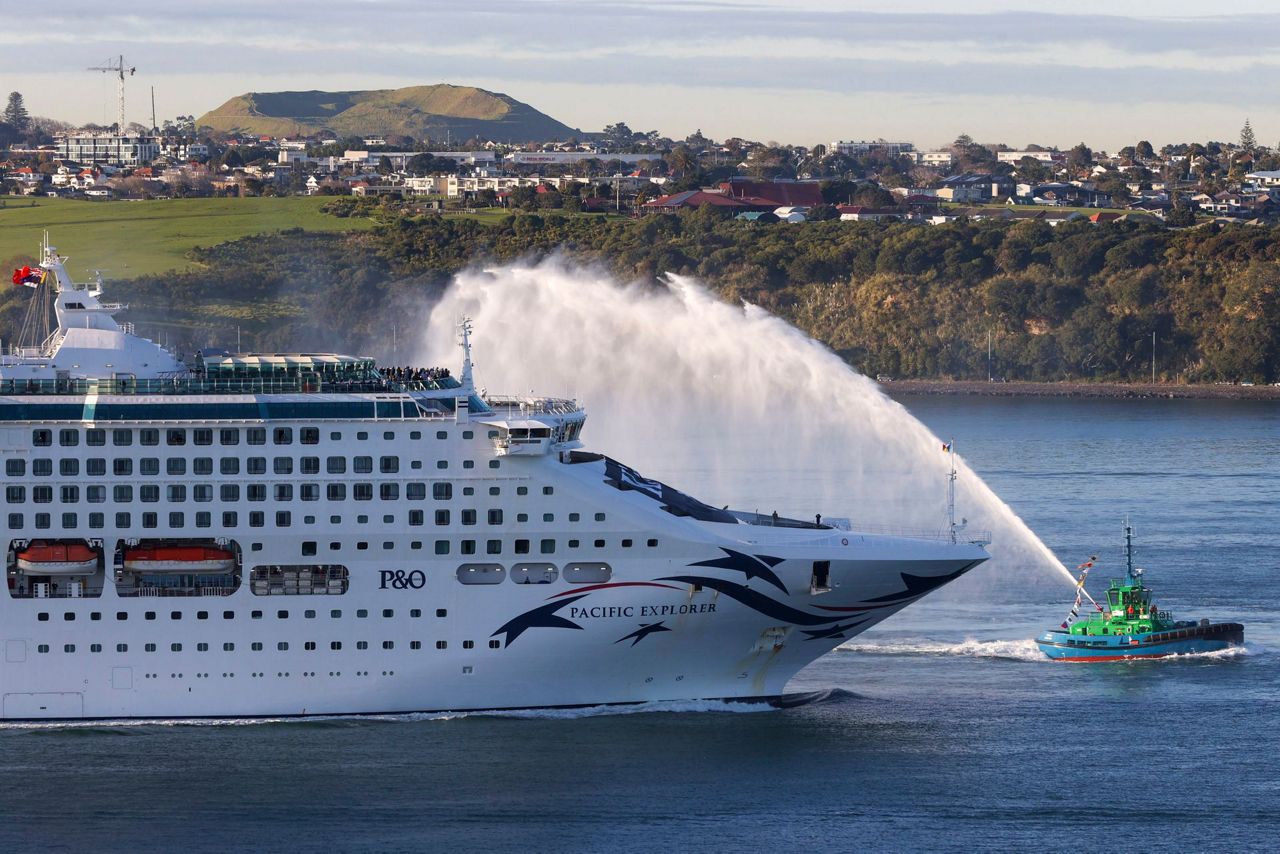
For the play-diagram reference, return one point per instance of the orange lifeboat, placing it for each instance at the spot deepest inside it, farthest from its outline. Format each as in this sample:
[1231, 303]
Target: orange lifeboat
[201, 560]
[54, 558]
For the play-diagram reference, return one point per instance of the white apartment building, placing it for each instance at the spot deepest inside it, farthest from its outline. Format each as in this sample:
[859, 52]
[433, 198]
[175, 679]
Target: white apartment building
[105, 147]
[851, 148]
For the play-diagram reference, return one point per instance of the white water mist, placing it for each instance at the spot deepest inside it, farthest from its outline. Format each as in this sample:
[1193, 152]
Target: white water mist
[728, 402]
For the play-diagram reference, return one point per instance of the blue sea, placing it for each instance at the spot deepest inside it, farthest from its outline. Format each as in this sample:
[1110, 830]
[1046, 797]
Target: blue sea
[942, 729]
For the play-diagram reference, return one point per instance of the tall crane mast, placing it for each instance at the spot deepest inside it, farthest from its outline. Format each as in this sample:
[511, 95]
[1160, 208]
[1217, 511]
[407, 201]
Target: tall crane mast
[119, 68]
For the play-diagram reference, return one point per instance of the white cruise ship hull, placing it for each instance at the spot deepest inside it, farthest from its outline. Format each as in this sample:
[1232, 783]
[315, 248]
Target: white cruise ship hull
[650, 635]
[267, 535]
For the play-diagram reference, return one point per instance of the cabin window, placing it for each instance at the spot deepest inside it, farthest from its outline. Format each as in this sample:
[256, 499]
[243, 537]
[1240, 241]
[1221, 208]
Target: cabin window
[362, 491]
[467, 547]
[68, 438]
[522, 490]
[15, 468]
[122, 520]
[282, 436]
[256, 436]
[229, 492]
[177, 520]
[336, 465]
[122, 467]
[15, 494]
[336, 491]
[416, 491]
[256, 492]
[175, 436]
[42, 494]
[175, 466]
[202, 492]
[256, 465]
[388, 465]
[69, 521]
[481, 573]
[547, 546]
[150, 520]
[229, 519]
[310, 491]
[202, 465]
[362, 465]
[309, 435]
[202, 436]
[587, 573]
[495, 517]
[68, 468]
[284, 492]
[493, 547]
[149, 466]
[121, 438]
[42, 467]
[96, 467]
[309, 465]
[522, 547]
[149, 436]
[95, 438]
[442, 491]
[282, 465]
[389, 491]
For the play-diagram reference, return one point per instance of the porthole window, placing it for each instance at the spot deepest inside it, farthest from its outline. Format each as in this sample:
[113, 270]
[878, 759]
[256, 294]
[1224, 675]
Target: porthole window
[481, 573]
[587, 573]
[533, 573]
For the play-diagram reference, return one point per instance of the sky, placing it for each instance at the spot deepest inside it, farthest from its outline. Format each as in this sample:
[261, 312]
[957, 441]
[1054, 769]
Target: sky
[802, 72]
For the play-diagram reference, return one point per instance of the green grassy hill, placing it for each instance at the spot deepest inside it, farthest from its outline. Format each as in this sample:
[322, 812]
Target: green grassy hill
[436, 112]
[128, 239]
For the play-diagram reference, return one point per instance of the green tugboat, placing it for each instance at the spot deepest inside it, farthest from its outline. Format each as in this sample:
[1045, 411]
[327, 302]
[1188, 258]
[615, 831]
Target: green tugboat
[1130, 625]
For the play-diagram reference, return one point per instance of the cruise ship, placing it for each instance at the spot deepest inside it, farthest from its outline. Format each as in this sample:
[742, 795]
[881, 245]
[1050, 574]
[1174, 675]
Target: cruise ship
[262, 535]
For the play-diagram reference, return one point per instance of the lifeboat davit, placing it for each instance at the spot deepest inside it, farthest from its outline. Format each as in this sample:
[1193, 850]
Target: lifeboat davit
[46, 558]
[201, 560]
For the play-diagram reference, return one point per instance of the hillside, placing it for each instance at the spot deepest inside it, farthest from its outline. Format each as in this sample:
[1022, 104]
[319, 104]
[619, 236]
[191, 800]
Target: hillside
[436, 112]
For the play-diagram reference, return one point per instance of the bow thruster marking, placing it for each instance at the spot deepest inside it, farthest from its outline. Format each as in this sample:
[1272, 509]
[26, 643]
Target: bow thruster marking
[752, 566]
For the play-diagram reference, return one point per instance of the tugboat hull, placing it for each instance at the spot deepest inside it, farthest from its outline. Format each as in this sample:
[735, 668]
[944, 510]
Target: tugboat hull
[1182, 640]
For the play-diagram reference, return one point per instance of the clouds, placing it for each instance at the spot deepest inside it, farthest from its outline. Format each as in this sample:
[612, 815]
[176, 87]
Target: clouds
[839, 50]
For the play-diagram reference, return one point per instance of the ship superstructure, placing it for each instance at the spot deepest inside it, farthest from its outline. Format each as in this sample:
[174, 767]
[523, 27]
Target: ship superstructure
[299, 534]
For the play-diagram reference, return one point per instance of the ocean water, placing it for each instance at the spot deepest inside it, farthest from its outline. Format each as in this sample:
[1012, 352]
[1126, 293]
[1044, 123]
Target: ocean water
[941, 729]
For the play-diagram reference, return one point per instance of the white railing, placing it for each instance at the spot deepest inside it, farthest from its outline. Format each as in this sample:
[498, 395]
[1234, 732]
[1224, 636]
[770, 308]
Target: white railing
[533, 405]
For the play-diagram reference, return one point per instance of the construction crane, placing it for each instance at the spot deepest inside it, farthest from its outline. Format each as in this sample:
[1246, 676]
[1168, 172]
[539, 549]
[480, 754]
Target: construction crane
[117, 67]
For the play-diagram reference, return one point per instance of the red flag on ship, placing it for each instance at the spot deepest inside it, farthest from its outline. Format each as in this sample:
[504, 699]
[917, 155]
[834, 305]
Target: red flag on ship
[26, 276]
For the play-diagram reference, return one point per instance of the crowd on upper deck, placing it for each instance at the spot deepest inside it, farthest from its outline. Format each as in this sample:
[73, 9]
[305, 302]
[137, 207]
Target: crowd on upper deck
[410, 374]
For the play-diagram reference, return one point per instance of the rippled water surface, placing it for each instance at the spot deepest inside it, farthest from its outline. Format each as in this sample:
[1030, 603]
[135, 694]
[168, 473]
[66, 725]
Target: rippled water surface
[942, 729]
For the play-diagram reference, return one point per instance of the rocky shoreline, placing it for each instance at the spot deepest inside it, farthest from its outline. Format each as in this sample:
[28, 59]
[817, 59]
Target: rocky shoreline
[1082, 389]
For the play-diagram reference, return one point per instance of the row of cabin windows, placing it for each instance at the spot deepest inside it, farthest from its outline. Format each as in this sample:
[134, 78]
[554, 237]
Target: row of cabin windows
[257, 646]
[176, 493]
[123, 437]
[123, 466]
[230, 519]
[309, 614]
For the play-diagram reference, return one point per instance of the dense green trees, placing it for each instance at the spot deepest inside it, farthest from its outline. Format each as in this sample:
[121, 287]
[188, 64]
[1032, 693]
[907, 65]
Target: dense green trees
[1079, 301]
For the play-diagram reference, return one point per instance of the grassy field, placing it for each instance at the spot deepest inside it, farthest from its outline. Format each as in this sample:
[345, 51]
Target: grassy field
[127, 239]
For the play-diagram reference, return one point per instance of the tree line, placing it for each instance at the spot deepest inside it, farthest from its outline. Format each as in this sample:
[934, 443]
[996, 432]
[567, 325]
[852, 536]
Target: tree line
[1075, 302]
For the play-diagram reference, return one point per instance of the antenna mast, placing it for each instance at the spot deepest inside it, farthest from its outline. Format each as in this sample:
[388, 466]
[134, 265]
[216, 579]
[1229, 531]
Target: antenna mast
[950, 448]
[119, 68]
